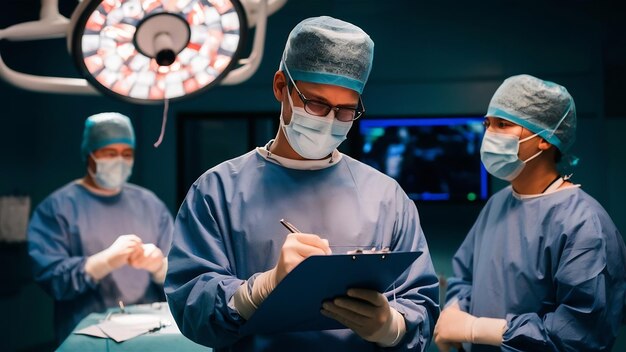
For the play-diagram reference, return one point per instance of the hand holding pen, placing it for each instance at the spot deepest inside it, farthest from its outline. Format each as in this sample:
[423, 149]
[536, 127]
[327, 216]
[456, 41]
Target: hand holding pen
[297, 247]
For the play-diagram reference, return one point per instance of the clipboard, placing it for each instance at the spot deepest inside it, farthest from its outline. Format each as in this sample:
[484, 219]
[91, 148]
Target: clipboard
[294, 305]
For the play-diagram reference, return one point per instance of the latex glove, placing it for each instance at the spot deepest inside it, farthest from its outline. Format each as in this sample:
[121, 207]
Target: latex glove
[368, 314]
[297, 247]
[455, 326]
[148, 257]
[103, 263]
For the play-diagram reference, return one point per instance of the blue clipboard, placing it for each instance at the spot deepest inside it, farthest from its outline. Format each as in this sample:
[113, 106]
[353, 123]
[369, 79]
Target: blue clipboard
[294, 305]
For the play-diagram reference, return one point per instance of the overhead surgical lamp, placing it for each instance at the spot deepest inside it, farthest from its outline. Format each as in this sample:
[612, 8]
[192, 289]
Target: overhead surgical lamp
[147, 51]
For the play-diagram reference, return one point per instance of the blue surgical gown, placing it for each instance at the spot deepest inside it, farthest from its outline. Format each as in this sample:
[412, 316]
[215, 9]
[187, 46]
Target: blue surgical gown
[553, 266]
[72, 224]
[228, 229]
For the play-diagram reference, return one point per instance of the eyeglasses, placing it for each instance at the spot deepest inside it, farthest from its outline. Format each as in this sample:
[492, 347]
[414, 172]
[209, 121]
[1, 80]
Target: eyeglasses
[319, 108]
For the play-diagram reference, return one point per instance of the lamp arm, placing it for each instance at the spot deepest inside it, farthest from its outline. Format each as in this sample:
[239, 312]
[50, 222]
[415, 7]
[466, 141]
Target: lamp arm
[44, 83]
[50, 25]
[251, 7]
[252, 62]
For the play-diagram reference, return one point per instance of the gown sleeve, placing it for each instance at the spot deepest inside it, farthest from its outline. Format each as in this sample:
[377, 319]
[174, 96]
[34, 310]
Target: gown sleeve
[460, 286]
[55, 266]
[200, 280]
[590, 288]
[417, 298]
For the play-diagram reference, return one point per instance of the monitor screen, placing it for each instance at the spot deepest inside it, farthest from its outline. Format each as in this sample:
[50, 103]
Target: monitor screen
[433, 159]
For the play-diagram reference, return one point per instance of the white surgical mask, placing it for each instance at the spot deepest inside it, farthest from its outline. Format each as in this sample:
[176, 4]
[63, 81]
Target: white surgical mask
[111, 173]
[498, 153]
[313, 137]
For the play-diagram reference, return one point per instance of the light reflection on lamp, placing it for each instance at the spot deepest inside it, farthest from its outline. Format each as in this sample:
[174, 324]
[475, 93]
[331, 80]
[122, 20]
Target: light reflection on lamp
[151, 50]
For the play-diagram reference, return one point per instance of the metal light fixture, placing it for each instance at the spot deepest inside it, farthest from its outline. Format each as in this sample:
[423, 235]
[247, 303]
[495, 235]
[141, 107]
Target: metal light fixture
[147, 51]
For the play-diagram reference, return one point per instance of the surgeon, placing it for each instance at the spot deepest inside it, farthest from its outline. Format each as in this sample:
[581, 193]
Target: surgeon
[230, 250]
[99, 240]
[544, 267]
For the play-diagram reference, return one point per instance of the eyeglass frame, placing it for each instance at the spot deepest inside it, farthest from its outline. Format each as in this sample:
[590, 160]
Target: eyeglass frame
[357, 113]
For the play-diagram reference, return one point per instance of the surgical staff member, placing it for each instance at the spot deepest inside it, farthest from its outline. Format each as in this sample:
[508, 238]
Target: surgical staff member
[544, 267]
[99, 240]
[230, 251]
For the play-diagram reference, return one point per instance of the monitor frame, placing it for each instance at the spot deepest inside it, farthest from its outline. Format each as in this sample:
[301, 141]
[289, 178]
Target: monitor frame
[357, 143]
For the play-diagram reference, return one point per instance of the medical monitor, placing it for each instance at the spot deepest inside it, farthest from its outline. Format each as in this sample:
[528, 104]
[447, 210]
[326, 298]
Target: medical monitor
[432, 158]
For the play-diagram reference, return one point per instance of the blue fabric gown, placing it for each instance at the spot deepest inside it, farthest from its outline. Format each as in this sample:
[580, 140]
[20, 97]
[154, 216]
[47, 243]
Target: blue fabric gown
[228, 229]
[553, 266]
[72, 224]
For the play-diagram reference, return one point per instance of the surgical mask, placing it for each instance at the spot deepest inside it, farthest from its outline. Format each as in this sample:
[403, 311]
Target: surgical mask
[111, 173]
[313, 137]
[498, 153]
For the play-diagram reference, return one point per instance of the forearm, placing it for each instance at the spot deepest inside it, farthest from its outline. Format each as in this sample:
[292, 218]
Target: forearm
[97, 266]
[66, 279]
[159, 275]
[392, 332]
[253, 292]
[201, 310]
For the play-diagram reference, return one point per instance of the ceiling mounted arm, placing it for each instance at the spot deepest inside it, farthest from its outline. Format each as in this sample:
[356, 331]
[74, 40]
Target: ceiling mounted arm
[112, 44]
[252, 63]
[51, 25]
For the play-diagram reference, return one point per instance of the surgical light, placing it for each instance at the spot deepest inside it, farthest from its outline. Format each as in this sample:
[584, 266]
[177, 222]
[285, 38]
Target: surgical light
[150, 50]
[147, 51]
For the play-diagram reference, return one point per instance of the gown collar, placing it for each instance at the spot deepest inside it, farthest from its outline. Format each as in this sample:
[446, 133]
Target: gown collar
[332, 160]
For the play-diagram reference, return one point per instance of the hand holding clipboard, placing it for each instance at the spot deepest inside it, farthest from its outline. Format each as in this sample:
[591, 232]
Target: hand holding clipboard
[280, 312]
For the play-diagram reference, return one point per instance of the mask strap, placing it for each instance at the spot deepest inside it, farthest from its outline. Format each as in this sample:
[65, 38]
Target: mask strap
[569, 107]
[528, 138]
[534, 156]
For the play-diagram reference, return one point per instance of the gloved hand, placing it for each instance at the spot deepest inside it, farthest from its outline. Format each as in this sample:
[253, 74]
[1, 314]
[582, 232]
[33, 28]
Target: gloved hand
[102, 263]
[297, 247]
[455, 327]
[368, 314]
[148, 257]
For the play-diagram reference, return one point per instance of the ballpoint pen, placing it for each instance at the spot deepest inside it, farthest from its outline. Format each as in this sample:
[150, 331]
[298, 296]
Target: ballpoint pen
[289, 226]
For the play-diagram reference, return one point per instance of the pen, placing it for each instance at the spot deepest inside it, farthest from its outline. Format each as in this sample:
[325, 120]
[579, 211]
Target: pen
[289, 226]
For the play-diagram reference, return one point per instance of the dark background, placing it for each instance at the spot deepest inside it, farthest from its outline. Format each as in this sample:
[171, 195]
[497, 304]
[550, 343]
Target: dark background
[431, 58]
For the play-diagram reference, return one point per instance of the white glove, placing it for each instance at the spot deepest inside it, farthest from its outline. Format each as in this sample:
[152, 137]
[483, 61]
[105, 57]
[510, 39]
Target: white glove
[103, 263]
[297, 247]
[148, 257]
[368, 314]
[455, 327]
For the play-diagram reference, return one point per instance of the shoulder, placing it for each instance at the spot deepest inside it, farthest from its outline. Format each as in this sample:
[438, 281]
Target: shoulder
[231, 168]
[137, 192]
[579, 204]
[69, 192]
[361, 170]
[370, 180]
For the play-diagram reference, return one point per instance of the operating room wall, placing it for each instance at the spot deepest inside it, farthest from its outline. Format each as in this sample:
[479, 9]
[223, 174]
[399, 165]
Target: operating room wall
[430, 59]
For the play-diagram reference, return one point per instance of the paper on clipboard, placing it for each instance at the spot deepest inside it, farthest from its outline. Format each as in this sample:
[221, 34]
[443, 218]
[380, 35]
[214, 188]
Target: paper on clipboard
[294, 305]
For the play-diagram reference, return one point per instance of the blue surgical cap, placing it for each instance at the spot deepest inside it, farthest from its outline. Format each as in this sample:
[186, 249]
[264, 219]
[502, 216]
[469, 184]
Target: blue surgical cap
[329, 51]
[542, 107]
[105, 129]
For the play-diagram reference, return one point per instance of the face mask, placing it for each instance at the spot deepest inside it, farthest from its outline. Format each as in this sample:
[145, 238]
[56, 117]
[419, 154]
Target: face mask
[313, 137]
[498, 153]
[111, 173]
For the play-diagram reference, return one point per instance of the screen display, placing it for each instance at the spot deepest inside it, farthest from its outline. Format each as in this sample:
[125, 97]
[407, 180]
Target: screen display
[433, 159]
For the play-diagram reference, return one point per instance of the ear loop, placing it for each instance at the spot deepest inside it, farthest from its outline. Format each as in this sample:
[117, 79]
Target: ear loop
[527, 139]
